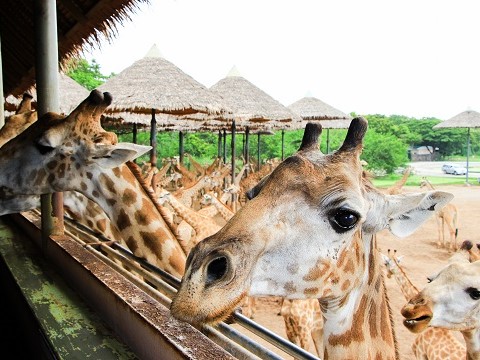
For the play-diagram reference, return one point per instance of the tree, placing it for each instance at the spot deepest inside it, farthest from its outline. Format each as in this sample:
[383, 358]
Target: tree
[87, 74]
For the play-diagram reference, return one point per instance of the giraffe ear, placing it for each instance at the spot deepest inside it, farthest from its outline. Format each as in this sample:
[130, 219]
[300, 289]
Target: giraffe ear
[110, 156]
[406, 212]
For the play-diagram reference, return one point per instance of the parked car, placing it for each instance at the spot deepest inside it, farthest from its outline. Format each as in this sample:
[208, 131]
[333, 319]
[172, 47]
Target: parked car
[454, 169]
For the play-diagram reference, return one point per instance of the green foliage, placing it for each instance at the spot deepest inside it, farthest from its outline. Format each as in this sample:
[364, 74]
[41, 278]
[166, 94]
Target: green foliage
[384, 151]
[87, 74]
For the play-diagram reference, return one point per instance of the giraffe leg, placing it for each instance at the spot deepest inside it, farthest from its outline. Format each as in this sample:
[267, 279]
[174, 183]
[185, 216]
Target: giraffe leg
[439, 226]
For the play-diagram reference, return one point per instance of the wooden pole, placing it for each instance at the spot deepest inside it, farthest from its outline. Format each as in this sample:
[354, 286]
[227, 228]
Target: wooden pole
[46, 73]
[2, 99]
[233, 143]
[219, 144]
[224, 146]
[153, 139]
[247, 148]
[181, 146]
[258, 152]
[283, 144]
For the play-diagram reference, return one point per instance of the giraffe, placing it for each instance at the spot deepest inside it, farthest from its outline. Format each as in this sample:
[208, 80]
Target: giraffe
[451, 301]
[448, 216]
[202, 225]
[210, 199]
[75, 153]
[15, 124]
[303, 321]
[433, 343]
[397, 187]
[56, 152]
[307, 232]
[198, 167]
[187, 195]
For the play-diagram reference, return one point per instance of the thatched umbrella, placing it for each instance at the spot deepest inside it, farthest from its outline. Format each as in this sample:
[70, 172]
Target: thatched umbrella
[79, 23]
[467, 119]
[153, 85]
[252, 107]
[313, 109]
[71, 94]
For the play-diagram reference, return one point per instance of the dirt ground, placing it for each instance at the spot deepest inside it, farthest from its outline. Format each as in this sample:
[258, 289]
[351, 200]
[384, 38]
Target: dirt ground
[421, 258]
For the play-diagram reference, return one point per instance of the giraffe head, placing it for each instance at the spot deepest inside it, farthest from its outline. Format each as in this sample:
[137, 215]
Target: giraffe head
[450, 300]
[60, 153]
[391, 262]
[298, 235]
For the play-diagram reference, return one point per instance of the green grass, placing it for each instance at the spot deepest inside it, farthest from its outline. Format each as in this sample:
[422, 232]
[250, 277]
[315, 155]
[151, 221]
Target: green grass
[414, 180]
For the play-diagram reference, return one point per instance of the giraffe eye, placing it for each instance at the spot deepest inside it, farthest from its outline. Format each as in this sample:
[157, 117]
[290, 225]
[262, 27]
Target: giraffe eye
[43, 149]
[473, 292]
[343, 220]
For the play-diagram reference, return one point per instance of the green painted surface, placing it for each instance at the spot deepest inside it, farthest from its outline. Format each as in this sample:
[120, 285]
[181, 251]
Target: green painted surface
[73, 329]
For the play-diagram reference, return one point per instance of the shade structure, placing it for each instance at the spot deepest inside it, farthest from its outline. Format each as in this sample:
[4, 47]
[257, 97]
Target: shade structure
[252, 106]
[71, 94]
[467, 119]
[155, 84]
[312, 109]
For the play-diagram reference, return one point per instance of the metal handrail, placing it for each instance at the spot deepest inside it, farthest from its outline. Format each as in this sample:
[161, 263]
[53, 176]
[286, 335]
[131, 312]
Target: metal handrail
[226, 330]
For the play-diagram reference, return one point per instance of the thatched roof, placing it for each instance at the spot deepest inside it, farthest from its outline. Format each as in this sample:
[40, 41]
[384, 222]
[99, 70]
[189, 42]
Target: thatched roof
[313, 109]
[79, 22]
[466, 119]
[251, 104]
[155, 83]
[71, 94]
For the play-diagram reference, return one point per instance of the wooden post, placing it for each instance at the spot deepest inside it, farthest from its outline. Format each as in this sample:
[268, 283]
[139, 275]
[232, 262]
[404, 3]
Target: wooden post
[219, 144]
[153, 140]
[46, 73]
[233, 142]
[283, 144]
[247, 148]
[224, 146]
[258, 152]
[181, 146]
[2, 112]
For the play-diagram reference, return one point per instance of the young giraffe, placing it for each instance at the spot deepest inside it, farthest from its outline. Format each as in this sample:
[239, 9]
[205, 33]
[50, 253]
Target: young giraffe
[204, 226]
[397, 187]
[433, 343]
[307, 232]
[451, 300]
[448, 216]
[303, 321]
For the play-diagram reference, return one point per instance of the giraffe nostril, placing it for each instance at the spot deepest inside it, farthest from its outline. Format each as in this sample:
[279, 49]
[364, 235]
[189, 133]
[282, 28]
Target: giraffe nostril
[216, 269]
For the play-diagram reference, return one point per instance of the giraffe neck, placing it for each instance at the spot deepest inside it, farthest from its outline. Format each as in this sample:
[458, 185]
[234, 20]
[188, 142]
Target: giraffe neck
[406, 286]
[137, 215]
[358, 324]
[224, 211]
[197, 221]
[472, 341]
[186, 195]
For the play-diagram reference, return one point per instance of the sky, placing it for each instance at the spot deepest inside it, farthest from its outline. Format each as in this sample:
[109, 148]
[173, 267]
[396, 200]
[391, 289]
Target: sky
[418, 58]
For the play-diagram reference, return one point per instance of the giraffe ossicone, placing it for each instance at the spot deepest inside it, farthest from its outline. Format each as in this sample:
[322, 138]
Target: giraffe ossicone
[308, 232]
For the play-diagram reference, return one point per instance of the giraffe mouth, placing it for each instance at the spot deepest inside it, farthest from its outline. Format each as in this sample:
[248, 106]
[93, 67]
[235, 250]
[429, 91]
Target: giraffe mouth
[418, 324]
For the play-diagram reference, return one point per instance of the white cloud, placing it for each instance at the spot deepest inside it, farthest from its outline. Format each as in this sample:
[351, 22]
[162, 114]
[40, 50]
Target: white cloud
[410, 57]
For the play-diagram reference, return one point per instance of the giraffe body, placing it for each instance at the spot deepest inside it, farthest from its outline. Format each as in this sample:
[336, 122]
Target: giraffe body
[308, 232]
[447, 217]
